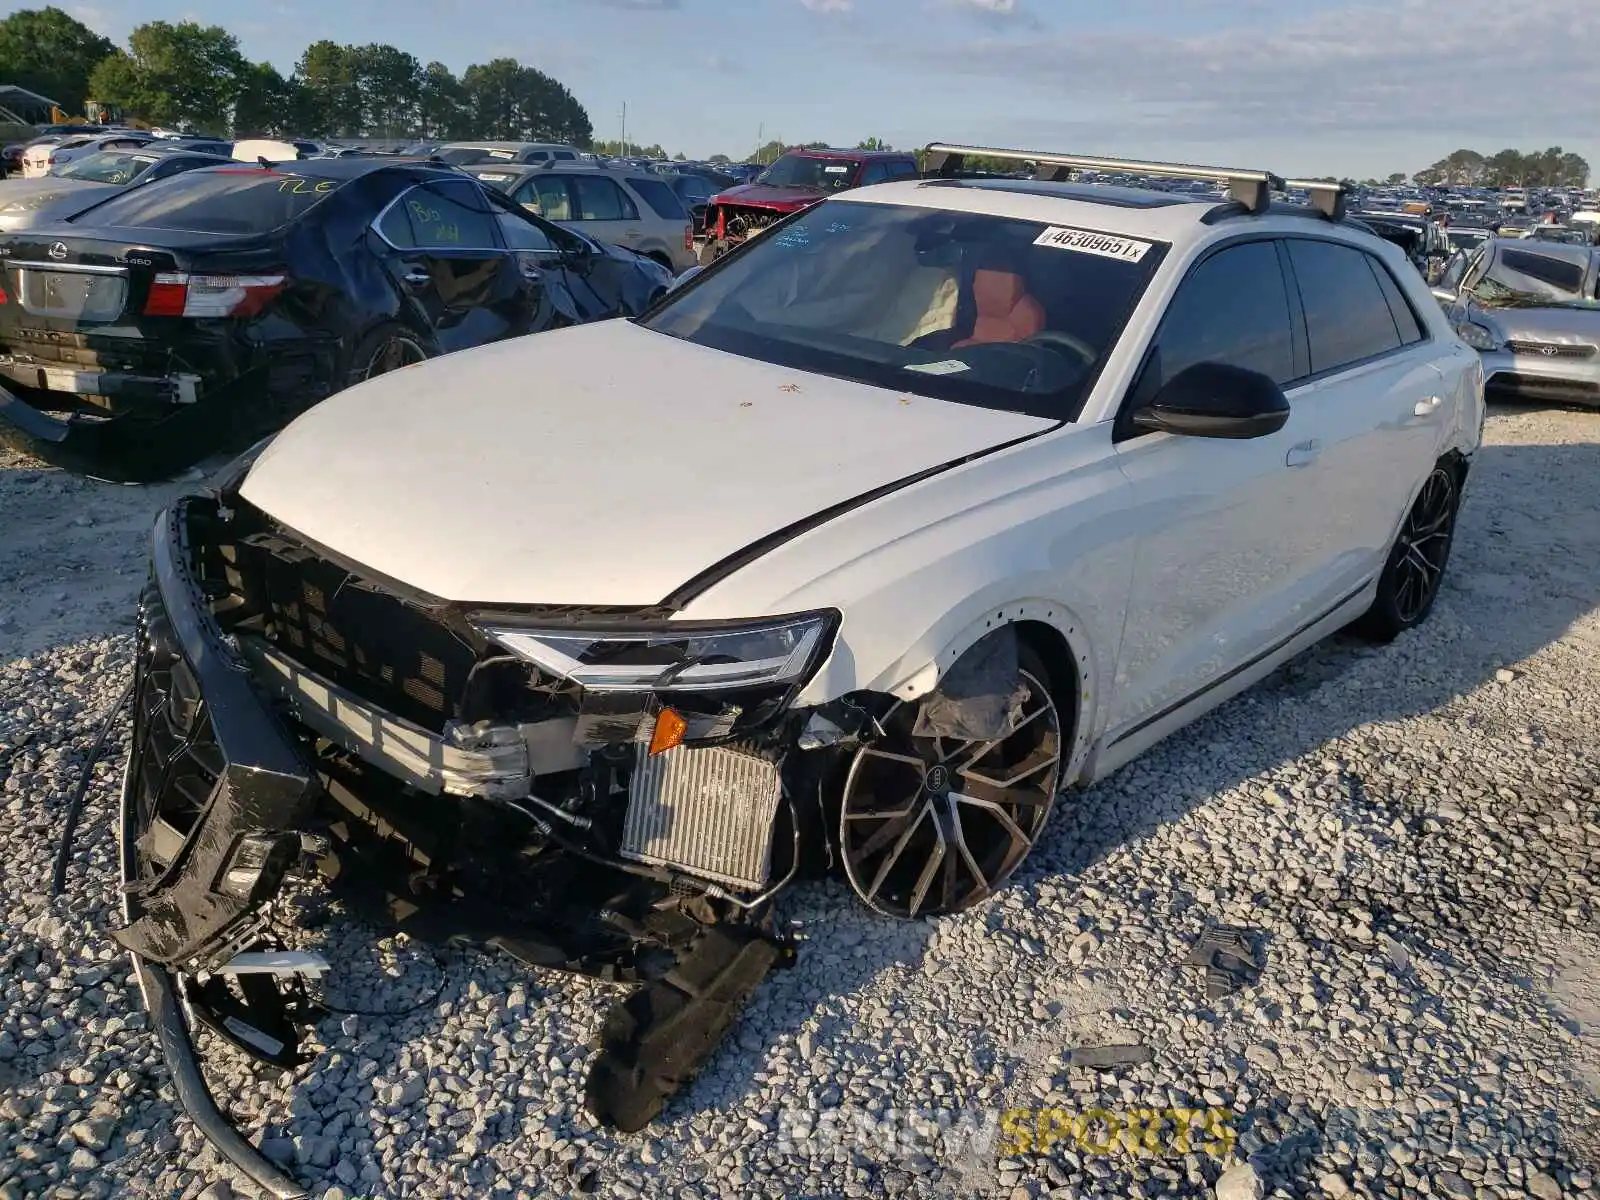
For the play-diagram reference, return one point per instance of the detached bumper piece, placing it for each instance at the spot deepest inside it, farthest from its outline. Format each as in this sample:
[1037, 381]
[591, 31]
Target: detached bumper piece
[657, 1039]
[200, 851]
[288, 716]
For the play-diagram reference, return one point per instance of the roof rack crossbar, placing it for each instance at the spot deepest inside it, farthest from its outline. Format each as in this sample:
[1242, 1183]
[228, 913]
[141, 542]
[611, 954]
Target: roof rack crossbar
[1253, 189]
[1329, 199]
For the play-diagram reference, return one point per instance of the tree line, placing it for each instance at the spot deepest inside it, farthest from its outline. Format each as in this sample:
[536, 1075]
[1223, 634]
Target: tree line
[1509, 168]
[195, 76]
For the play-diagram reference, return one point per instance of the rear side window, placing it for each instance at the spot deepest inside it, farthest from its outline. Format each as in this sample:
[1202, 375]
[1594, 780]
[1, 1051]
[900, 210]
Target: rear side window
[599, 199]
[440, 216]
[659, 197]
[219, 200]
[903, 170]
[1347, 317]
[1234, 309]
[547, 195]
[1405, 317]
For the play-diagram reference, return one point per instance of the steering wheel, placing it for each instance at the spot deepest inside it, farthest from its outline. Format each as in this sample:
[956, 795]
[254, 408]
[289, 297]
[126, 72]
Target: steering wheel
[1054, 337]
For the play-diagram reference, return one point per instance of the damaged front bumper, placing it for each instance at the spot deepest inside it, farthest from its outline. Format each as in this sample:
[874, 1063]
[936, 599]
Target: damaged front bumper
[247, 768]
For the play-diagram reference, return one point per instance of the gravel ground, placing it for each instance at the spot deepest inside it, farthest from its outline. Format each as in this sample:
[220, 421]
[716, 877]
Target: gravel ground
[1411, 836]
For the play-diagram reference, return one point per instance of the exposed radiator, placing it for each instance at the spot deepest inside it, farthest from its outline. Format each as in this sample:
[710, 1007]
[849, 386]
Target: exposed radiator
[705, 810]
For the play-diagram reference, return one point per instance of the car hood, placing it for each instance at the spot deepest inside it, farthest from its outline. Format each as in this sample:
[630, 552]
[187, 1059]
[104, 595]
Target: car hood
[761, 195]
[579, 466]
[37, 201]
[1537, 324]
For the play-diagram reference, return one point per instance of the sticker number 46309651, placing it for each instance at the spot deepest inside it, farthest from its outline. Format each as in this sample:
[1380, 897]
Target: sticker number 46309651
[1086, 241]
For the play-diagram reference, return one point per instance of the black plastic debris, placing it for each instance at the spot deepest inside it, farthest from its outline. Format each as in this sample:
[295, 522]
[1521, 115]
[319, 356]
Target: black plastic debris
[981, 697]
[1226, 953]
[1105, 1058]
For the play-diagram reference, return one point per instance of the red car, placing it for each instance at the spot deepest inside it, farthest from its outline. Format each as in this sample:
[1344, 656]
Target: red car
[797, 180]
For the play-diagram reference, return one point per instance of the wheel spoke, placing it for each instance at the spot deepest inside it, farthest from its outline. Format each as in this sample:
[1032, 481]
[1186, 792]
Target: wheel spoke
[909, 760]
[929, 870]
[998, 813]
[894, 855]
[895, 825]
[1022, 771]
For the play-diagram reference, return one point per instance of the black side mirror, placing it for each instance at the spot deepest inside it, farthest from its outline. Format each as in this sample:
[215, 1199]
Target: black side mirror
[1216, 400]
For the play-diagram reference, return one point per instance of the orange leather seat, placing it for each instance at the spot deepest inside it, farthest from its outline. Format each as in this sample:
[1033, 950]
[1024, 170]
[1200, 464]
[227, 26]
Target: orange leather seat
[1006, 313]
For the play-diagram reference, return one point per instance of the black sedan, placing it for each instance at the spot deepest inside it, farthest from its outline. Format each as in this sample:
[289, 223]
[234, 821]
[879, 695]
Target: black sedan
[194, 314]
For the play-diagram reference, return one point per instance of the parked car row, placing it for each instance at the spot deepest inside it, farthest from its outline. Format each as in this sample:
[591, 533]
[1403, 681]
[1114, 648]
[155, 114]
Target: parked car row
[175, 317]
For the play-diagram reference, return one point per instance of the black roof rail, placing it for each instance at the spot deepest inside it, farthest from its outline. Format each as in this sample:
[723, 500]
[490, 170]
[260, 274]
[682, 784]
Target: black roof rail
[1249, 188]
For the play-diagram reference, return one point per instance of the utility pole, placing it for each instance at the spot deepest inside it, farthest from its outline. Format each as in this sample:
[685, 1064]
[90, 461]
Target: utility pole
[761, 132]
[624, 129]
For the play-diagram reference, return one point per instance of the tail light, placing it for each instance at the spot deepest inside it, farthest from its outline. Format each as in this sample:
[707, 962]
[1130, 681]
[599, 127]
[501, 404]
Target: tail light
[688, 236]
[179, 294]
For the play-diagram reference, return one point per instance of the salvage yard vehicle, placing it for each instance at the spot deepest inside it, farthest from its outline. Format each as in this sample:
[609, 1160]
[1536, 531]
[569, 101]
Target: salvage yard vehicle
[626, 207]
[87, 181]
[183, 316]
[846, 556]
[44, 157]
[1531, 309]
[794, 182]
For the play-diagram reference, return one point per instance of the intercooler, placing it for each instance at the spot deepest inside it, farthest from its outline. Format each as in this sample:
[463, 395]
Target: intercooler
[708, 811]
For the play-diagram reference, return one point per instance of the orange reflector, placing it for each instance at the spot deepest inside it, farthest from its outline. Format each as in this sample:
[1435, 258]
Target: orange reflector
[669, 731]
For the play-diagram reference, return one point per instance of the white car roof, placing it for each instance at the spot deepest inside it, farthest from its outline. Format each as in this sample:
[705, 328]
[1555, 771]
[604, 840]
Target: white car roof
[1173, 217]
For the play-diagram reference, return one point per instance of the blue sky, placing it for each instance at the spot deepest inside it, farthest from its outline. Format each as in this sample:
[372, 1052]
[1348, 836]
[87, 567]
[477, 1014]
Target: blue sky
[1303, 87]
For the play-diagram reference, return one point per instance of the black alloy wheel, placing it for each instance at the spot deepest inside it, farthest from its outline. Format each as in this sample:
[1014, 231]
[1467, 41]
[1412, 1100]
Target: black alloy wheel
[1410, 581]
[934, 825]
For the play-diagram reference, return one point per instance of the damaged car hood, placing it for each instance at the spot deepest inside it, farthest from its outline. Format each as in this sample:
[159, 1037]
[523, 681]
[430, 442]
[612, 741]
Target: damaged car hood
[762, 195]
[599, 465]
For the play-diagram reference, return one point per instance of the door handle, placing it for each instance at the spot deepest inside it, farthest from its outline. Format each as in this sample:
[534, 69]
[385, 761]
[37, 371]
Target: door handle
[417, 278]
[1304, 454]
[1426, 408]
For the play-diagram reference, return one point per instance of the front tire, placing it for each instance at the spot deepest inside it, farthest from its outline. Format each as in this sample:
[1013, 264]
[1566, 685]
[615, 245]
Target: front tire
[1411, 577]
[931, 825]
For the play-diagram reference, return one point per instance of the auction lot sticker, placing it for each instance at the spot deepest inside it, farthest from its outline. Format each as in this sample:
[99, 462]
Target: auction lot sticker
[1086, 241]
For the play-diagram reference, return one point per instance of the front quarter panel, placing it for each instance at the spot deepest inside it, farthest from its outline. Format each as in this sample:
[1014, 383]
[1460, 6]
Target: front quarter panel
[1037, 532]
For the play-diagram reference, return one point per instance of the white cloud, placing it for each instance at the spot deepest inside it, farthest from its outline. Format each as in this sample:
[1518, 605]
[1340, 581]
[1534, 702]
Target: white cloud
[829, 6]
[1475, 79]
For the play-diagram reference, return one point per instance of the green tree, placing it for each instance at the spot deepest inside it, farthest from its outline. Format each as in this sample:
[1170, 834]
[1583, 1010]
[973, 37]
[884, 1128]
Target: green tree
[49, 52]
[509, 101]
[330, 92]
[441, 103]
[390, 83]
[873, 143]
[183, 74]
[719, 159]
[268, 105]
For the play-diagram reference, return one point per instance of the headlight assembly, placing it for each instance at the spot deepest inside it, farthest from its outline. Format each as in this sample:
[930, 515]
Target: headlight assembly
[1477, 336]
[776, 651]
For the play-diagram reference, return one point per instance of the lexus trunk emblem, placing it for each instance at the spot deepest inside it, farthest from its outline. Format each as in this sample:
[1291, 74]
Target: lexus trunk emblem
[58, 250]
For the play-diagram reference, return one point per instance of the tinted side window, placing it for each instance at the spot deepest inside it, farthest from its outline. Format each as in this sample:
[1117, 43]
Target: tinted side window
[659, 197]
[1347, 316]
[564, 155]
[1233, 309]
[1405, 317]
[873, 173]
[902, 170]
[440, 217]
[599, 199]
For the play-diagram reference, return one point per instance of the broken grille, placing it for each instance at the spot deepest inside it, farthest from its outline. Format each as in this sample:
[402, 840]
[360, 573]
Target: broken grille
[351, 631]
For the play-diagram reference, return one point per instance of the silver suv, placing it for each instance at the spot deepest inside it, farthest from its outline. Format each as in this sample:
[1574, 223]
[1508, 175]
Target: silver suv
[626, 207]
